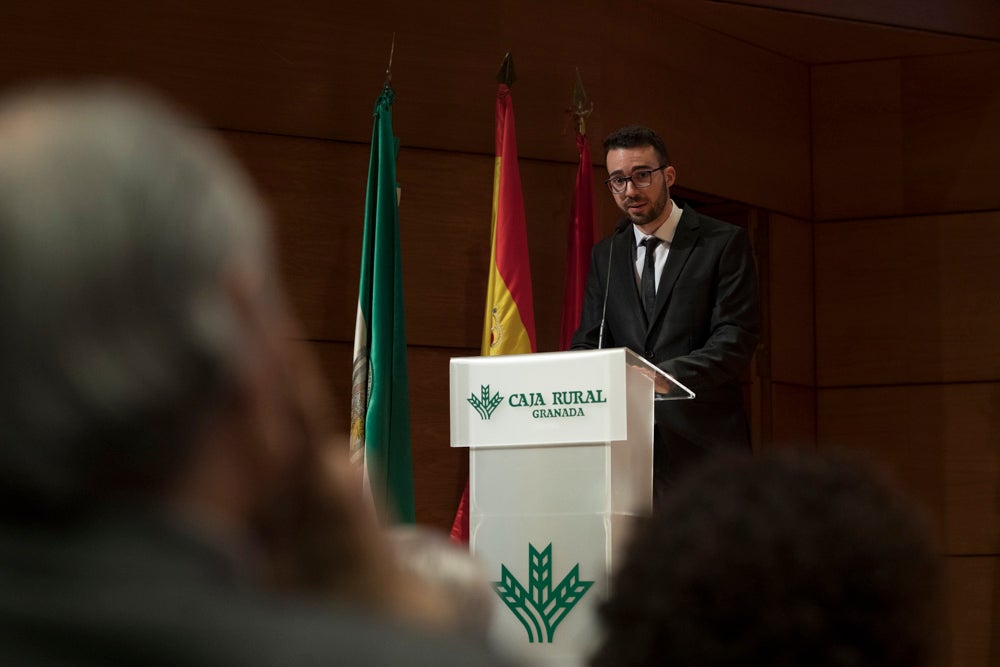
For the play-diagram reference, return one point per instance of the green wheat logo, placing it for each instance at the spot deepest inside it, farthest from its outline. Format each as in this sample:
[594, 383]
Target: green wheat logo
[485, 404]
[541, 608]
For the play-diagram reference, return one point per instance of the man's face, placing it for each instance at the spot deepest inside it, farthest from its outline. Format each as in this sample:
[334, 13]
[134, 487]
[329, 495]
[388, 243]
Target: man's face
[642, 205]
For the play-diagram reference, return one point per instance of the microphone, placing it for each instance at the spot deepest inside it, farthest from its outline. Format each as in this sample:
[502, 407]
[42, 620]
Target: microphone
[619, 228]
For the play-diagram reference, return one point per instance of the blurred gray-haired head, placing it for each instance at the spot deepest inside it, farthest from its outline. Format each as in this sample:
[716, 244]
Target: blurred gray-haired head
[119, 222]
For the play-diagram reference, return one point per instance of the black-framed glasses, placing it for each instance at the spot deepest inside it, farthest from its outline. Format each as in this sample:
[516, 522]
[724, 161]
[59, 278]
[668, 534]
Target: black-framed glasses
[642, 178]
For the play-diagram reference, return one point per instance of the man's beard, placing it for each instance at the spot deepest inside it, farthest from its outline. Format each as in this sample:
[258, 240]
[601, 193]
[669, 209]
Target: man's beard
[656, 209]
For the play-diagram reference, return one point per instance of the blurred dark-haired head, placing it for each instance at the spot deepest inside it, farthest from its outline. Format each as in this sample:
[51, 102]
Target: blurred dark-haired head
[781, 559]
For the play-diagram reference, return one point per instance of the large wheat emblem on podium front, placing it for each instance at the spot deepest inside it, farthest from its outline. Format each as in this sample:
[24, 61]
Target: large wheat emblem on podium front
[485, 404]
[541, 608]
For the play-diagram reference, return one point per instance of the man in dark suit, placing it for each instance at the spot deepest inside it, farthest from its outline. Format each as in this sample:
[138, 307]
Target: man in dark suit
[169, 492]
[680, 290]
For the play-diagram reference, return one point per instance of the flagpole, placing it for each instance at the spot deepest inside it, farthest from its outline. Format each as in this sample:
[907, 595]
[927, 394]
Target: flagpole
[505, 74]
[388, 68]
[580, 237]
[582, 107]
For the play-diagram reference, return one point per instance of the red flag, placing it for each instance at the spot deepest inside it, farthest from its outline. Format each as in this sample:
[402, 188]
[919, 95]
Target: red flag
[578, 244]
[509, 324]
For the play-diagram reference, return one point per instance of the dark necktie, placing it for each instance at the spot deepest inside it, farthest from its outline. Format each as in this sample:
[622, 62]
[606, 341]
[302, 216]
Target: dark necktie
[648, 285]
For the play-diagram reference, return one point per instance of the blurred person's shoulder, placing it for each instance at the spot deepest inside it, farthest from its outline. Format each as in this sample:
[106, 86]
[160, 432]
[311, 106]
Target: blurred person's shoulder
[143, 592]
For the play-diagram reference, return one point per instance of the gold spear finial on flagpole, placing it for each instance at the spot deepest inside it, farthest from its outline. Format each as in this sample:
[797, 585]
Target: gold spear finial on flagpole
[388, 68]
[582, 107]
[506, 73]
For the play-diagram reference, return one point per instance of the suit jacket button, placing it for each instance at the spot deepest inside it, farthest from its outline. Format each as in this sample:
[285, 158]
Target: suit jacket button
[649, 354]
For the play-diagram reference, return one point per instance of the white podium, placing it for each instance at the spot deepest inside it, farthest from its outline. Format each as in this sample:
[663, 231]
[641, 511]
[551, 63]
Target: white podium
[560, 460]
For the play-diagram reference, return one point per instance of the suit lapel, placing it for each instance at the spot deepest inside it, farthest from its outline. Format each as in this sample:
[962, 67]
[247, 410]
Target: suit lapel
[685, 237]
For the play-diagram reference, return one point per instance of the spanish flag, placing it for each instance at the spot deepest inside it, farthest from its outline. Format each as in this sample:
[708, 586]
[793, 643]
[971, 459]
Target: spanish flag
[509, 324]
[509, 327]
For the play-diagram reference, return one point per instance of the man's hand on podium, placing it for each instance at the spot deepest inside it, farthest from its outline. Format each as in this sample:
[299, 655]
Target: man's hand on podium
[660, 384]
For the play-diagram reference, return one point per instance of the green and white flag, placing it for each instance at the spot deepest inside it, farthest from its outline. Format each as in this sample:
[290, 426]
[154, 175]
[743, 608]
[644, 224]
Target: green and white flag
[380, 402]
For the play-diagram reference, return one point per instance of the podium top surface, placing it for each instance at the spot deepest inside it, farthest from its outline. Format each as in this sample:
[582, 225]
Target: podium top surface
[551, 398]
[666, 387]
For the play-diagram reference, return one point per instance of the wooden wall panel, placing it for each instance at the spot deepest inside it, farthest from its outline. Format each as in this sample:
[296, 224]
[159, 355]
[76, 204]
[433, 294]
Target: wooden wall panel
[968, 17]
[793, 416]
[711, 149]
[439, 472]
[792, 301]
[908, 300]
[973, 611]
[314, 69]
[316, 190]
[316, 193]
[857, 139]
[951, 130]
[941, 441]
[818, 37]
[904, 137]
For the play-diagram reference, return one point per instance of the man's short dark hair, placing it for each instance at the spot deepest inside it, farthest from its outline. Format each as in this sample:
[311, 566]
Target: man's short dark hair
[637, 136]
[776, 560]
